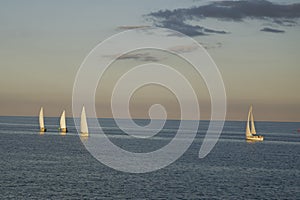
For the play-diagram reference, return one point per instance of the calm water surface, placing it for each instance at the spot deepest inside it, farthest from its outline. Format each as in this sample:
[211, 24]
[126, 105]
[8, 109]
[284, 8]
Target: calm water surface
[52, 166]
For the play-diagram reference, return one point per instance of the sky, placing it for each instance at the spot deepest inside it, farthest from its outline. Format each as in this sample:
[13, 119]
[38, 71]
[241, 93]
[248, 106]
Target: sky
[255, 45]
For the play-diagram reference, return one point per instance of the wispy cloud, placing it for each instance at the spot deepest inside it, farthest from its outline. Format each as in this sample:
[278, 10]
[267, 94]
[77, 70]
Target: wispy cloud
[284, 15]
[143, 57]
[183, 48]
[128, 27]
[180, 26]
[285, 22]
[190, 48]
[272, 30]
[185, 28]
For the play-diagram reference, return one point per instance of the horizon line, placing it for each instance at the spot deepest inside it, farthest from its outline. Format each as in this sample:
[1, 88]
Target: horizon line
[168, 119]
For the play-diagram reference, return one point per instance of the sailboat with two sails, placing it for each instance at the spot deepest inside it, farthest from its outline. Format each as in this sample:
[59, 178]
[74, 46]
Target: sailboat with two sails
[250, 131]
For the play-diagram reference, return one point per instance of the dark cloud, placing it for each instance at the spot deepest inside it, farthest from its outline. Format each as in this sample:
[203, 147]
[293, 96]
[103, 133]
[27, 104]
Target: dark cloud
[182, 27]
[234, 10]
[145, 57]
[207, 30]
[284, 15]
[284, 22]
[126, 27]
[272, 30]
[190, 30]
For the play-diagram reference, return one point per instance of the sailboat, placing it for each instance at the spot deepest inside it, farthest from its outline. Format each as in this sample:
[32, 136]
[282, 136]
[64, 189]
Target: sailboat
[251, 132]
[41, 120]
[63, 127]
[83, 124]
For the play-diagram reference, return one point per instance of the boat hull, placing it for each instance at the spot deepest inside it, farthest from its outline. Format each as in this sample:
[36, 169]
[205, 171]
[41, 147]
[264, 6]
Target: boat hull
[255, 138]
[63, 130]
[43, 130]
[84, 134]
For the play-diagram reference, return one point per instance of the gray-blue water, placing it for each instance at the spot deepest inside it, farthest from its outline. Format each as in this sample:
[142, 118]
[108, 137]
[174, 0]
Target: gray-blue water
[59, 167]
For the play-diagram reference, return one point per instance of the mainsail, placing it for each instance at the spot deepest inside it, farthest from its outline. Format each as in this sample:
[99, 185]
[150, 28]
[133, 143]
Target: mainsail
[41, 120]
[63, 121]
[253, 131]
[83, 123]
[248, 132]
[63, 126]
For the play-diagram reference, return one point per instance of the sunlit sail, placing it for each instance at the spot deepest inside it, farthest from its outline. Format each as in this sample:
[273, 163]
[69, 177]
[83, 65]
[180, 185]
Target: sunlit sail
[83, 124]
[41, 120]
[63, 126]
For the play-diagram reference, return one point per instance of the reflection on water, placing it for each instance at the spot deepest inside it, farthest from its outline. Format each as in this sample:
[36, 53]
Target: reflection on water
[84, 137]
[251, 141]
[63, 133]
[42, 133]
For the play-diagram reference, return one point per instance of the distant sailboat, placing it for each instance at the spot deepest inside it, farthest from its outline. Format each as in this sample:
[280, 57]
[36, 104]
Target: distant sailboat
[63, 127]
[251, 132]
[41, 120]
[83, 124]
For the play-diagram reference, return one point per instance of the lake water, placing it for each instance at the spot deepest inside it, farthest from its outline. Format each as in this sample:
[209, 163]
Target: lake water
[52, 166]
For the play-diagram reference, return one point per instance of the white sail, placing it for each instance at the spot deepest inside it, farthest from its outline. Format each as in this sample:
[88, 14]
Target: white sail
[63, 121]
[248, 132]
[83, 122]
[253, 131]
[41, 118]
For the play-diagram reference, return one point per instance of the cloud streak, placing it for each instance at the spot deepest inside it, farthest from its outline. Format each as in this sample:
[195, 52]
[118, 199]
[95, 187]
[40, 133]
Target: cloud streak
[128, 27]
[190, 30]
[272, 30]
[284, 15]
[144, 57]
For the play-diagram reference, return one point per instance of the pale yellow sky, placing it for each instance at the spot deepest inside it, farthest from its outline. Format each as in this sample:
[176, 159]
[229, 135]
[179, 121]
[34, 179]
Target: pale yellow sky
[43, 46]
